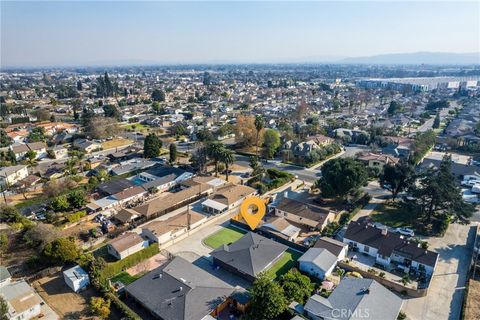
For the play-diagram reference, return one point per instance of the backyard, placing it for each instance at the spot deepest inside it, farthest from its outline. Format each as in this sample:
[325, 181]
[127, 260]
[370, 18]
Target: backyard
[391, 215]
[224, 236]
[286, 262]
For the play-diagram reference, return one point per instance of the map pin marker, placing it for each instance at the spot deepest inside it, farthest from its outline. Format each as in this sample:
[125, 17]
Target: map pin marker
[253, 219]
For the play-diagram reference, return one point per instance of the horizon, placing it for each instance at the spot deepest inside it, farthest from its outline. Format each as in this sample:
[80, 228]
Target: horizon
[95, 34]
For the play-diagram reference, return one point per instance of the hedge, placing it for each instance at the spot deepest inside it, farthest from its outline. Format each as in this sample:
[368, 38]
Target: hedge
[115, 268]
[126, 311]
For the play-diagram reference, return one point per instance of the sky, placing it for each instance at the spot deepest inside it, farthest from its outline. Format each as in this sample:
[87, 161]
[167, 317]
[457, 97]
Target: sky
[77, 33]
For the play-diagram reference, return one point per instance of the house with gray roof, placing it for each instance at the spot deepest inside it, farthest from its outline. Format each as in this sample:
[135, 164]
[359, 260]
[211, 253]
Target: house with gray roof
[355, 299]
[179, 290]
[249, 255]
[317, 262]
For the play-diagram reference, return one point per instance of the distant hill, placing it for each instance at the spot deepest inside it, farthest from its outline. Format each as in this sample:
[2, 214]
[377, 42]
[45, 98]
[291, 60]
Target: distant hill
[417, 58]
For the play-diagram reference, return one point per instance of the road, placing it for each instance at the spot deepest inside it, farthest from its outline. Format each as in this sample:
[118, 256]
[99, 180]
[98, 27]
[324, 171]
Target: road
[445, 294]
[429, 123]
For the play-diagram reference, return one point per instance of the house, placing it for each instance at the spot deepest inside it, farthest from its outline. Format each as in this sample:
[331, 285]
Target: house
[355, 299]
[282, 228]
[179, 290]
[374, 160]
[23, 302]
[226, 198]
[166, 230]
[40, 149]
[20, 150]
[132, 166]
[317, 262]
[5, 276]
[249, 255]
[126, 244]
[389, 248]
[76, 278]
[11, 175]
[86, 145]
[163, 178]
[113, 186]
[305, 214]
[59, 152]
[129, 194]
[337, 248]
[126, 215]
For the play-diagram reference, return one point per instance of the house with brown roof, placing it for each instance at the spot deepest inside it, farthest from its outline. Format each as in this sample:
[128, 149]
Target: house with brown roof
[282, 228]
[161, 231]
[374, 160]
[126, 215]
[226, 198]
[389, 248]
[306, 214]
[126, 244]
[21, 150]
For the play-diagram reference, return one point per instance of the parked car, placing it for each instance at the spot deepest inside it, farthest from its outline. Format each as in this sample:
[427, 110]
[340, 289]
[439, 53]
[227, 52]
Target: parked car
[469, 183]
[405, 231]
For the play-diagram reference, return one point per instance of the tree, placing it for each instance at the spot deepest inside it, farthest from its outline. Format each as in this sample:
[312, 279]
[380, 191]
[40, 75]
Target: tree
[31, 155]
[199, 159]
[152, 146]
[100, 307]
[437, 192]
[436, 122]
[246, 132]
[301, 111]
[173, 152]
[60, 203]
[41, 114]
[61, 250]
[3, 242]
[437, 105]
[101, 127]
[179, 130]
[158, 95]
[3, 309]
[37, 134]
[157, 108]
[40, 235]
[228, 158]
[5, 140]
[297, 287]
[79, 85]
[397, 178]
[111, 111]
[205, 135]
[342, 176]
[214, 152]
[76, 198]
[394, 108]
[271, 142]
[9, 214]
[259, 125]
[267, 299]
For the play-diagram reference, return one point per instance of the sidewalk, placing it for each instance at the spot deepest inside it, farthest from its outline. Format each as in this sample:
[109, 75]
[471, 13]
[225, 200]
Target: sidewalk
[321, 163]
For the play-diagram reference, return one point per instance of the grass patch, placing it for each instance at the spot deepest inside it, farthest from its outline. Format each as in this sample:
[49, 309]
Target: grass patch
[224, 236]
[125, 278]
[391, 215]
[117, 142]
[286, 262]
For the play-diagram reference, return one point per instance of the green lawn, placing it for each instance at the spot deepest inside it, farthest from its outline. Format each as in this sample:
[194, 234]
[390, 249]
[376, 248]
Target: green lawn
[224, 236]
[125, 278]
[391, 216]
[286, 262]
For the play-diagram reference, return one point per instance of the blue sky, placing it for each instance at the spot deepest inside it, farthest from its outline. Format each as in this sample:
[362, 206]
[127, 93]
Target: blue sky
[92, 32]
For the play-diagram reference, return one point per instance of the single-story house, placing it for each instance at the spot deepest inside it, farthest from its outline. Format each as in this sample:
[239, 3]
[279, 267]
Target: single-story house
[317, 262]
[179, 290]
[282, 228]
[355, 299]
[227, 197]
[22, 301]
[76, 278]
[337, 248]
[126, 244]
[373, 160]
[303, 213]
[249, 255]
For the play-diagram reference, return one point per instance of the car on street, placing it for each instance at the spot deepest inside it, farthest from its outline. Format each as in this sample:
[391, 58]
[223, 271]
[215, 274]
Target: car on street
[405, 231]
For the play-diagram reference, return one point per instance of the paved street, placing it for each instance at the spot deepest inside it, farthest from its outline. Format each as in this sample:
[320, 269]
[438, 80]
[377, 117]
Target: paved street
[445, 295]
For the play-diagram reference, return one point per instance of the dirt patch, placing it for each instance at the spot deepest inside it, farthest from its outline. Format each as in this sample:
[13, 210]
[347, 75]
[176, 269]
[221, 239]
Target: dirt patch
[472, 309]
[148, 265]
[66, 303]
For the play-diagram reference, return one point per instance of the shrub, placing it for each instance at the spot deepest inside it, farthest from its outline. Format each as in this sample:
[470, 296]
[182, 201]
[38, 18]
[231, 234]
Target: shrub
[126, 311]
[382, 274]
[74, 217]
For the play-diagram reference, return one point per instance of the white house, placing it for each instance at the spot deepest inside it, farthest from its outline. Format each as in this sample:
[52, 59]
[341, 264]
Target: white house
[22, 301]
[126, 244]
[76, 278]
[317, 262]
[227, 197]
[11, 175]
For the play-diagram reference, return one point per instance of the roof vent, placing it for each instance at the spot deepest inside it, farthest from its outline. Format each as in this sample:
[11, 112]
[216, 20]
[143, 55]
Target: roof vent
[181, 289]
[365, 290]
[384, 231]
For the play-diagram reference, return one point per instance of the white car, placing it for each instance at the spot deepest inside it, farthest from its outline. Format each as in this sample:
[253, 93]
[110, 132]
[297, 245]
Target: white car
[405, 232]
[469, 183]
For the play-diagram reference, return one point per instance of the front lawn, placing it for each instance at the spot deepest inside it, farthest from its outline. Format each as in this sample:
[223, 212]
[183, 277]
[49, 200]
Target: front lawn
[125, 278]
[286, 262]
[224, 236]
[117, 142]
[391, 215]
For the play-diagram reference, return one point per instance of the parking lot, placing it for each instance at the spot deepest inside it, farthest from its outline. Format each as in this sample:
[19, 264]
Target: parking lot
[447, 288]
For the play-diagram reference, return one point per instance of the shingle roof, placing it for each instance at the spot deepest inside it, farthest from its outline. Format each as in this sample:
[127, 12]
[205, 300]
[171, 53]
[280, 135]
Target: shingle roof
[115, 186]
[304, 210]
[332, 245]
[320, 257]
[231, 193]
[251, 254]
[180, 290]
[358, 297]
[125, 241]
[174, 223]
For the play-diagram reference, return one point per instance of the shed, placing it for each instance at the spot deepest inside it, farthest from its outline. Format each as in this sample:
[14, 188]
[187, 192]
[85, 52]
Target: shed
[76, 278]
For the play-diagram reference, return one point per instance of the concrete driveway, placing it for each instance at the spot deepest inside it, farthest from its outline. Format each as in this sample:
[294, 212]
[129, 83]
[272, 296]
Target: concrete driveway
[445, 295]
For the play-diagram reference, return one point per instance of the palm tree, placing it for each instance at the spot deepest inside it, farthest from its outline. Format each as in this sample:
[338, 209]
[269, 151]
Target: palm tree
[214, 151]
[259, 125]
[228, 158]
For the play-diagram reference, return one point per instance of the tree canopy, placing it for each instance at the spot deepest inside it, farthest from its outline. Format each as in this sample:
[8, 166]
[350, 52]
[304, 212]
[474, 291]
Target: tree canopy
[271, 141]
[267, 299]
[61, 250]
[152, 146]
[397, 178]
[296, 286]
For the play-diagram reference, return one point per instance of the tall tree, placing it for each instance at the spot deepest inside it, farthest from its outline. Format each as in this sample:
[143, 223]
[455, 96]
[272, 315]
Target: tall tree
[79, 85]
[151, 146]
[173, 152]
[61, 250]
[267, 299]
[259, 125]
[214, 151]
[158, 95]
[436, 121]
[297, 287]
[271, 141]
[397, 178]
[228, 158]
[5, 140]
[341, 177]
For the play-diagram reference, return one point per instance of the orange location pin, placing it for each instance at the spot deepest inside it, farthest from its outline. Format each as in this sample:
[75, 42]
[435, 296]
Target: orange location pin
[253, 219]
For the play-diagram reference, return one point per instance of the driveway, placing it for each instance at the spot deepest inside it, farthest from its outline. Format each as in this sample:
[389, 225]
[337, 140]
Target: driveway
[445, 295]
